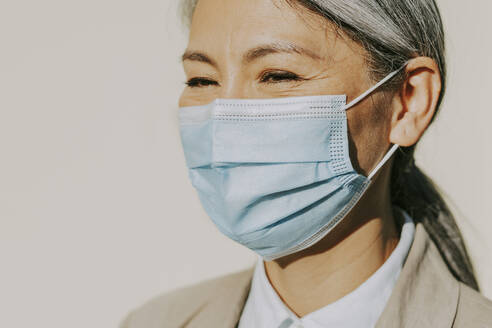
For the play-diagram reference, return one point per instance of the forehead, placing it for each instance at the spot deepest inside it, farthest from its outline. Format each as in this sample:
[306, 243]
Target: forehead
[234, 26]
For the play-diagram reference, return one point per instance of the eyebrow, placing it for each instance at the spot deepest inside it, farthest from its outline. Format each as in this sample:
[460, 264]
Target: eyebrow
[254, 53]
[198, 56]
[274, 48]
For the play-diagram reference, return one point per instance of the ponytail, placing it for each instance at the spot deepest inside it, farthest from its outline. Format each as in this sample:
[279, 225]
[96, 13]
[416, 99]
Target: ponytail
[417, 194]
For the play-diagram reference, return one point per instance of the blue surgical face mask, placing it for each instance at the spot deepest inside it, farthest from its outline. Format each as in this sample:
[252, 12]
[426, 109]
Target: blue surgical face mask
[274, 174]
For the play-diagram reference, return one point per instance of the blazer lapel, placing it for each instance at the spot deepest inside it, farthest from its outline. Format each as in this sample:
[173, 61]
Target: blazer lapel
[223, 310]
[426, 294]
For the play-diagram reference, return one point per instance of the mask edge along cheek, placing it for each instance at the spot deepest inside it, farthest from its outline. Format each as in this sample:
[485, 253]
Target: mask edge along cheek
[349, 183]
[324, 231]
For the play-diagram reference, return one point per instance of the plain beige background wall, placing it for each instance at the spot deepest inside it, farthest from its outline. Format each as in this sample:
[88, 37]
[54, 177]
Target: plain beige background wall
[96, 210]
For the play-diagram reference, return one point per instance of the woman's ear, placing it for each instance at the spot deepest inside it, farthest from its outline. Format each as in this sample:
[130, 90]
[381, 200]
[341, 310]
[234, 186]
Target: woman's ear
[415, 104]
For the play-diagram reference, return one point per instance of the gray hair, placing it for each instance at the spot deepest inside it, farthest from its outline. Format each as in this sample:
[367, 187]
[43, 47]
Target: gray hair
[393, 32]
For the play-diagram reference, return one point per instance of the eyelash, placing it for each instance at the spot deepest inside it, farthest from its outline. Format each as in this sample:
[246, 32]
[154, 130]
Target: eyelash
[279, 77]
[273, 76]
[200, 82]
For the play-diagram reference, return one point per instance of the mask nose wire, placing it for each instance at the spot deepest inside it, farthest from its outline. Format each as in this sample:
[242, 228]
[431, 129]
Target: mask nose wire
[360, 98]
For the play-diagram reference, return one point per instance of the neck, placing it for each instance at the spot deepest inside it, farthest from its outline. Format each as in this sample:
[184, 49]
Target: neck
[344, 259]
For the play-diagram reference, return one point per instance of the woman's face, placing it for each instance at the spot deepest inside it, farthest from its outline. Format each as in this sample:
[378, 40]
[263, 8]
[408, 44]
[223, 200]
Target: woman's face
[267, 49]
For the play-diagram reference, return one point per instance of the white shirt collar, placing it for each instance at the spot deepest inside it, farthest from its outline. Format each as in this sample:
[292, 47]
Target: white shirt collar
[360, 308]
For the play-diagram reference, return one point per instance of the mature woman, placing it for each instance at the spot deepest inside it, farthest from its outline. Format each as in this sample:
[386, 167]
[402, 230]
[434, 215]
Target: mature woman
[299, 121]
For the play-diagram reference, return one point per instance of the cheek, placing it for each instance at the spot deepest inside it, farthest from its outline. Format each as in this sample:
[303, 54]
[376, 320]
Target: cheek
[368, 126]
[198, 96]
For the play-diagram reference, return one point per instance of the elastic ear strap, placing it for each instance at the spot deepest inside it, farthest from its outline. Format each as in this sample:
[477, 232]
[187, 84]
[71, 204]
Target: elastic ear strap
[362, 96]
[374, 87]
[383, 161]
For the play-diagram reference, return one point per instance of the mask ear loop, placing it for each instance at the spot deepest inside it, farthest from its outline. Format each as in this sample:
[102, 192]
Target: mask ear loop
[360, 98]
[374, 87]
[383, 161]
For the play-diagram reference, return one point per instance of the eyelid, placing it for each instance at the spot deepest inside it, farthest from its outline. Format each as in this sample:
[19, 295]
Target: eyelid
[288, 76]
[197, 80]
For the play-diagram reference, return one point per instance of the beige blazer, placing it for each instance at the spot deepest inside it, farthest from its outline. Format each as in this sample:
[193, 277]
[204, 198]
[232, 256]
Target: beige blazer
[426, 295]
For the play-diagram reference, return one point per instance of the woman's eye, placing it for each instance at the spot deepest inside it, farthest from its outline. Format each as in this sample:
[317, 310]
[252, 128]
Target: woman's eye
[280, 76]
[200, 82]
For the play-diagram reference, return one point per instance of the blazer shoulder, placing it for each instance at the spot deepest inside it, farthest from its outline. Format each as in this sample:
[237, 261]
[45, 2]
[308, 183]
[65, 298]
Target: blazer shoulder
[474, 309]
[174, 308]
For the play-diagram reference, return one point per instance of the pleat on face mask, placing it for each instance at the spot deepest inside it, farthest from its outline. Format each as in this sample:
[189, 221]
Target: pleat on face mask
[274, 174]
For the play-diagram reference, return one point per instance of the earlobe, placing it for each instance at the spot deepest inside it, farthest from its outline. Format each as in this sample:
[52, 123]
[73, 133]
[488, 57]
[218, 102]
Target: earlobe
[415, 104]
